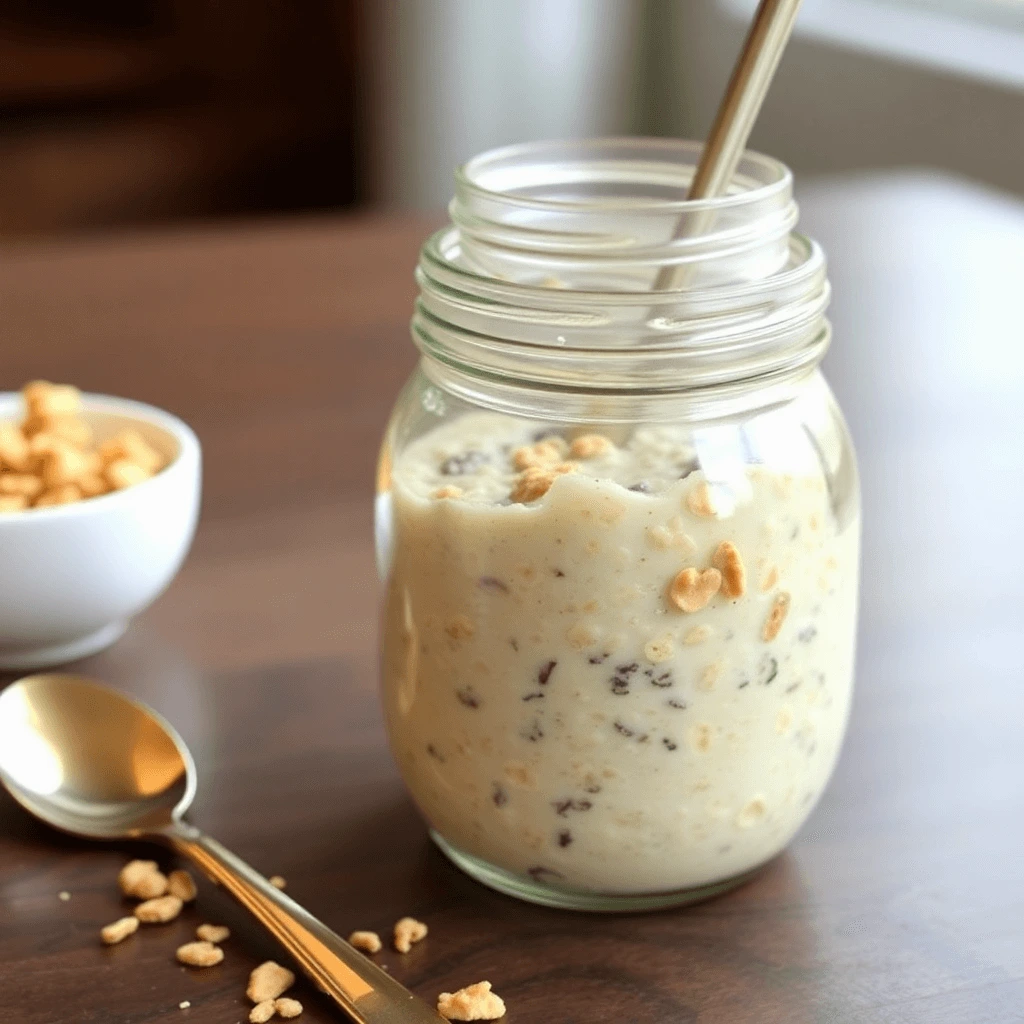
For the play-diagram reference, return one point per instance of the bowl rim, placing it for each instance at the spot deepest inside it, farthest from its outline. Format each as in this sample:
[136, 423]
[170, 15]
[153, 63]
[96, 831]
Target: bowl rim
[183, 434]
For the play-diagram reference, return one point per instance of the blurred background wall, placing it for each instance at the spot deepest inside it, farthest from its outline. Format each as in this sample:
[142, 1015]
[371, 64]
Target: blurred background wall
[128, 112]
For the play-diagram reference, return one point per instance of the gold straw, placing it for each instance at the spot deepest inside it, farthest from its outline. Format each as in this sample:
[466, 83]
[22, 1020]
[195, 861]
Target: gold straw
[747, 88]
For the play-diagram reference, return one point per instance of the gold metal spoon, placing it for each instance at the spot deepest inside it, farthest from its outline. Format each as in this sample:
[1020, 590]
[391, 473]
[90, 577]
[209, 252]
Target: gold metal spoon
[89, 761]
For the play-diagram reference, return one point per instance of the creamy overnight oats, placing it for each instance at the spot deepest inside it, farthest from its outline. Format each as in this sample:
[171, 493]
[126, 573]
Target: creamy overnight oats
[604, 671]
[618, 526]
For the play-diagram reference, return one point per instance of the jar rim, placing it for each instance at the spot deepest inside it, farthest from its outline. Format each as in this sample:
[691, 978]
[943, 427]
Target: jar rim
[467, 175]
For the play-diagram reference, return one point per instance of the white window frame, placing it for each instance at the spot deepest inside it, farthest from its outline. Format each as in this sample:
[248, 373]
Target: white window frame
[979, 39]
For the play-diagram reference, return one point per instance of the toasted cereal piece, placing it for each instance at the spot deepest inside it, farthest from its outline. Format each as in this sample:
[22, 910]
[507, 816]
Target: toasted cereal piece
[534, 483]
[268, 981]
[287, 1007]
[368, 942]
[119, 930]
[693, 588]
[24, 484]
[45, 399]
[159, 911]
[181, 884]
[407, 931]
[727, 561]
[122, 473]
[66, 494]
[92, 485]
[475, 1002]
[133, 447]
[14, 453]
[215, 933]
[776, 617]
[199, 954]
[262, 1012]
[63, 463]
[142, 879]
[67, 428]
[700, 501]
[277, 881]
[589, 446]
[544, 453]
[13, 503]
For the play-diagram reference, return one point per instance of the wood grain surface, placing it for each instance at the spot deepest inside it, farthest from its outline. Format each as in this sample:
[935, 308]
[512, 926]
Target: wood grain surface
[902, 899]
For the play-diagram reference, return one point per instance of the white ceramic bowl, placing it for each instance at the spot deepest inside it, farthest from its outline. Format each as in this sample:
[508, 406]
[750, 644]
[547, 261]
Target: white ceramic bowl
[71, 576]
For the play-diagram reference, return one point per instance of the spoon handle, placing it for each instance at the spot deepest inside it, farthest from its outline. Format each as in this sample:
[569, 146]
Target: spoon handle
[359, 986]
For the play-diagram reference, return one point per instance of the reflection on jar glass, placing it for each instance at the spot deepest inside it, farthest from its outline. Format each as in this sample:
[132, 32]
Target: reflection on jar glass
[619, 529]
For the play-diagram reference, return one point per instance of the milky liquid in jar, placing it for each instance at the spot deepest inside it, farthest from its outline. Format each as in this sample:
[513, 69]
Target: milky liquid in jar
[618, 632]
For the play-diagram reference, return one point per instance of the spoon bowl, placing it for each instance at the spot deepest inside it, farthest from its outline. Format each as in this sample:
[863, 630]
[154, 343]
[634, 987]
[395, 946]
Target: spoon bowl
[87, 760]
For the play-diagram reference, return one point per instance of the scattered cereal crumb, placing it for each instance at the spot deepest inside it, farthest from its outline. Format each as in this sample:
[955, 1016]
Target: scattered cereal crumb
[119, 930]
[589, 446]
[368, 942]
[277, 881]
[407, 931]
[699, 502]
[63, 895]
[199, 954]
[693, 588]
[262, 1012]
[460, 627]
[770, 578]
[142, 879]
[475, 1002]
[776, 617]
[728, 562]
[287, 1007]
[184, 1004]
[215, 933]
[543, 453]
[660, 649]
[268, 981]
[697, 635]
[181, 884]
[159, 910]
[449, 491]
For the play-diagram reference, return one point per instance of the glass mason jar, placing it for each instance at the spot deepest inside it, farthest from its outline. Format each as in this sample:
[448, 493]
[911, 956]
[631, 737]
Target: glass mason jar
[619, 528]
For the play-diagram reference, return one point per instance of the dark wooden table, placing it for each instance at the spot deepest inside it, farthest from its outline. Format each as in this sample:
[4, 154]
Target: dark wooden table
[902, 899]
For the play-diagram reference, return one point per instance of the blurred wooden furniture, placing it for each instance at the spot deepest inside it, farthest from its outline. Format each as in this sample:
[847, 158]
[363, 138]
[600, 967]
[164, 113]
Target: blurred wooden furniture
[122, 112]
[902, 900]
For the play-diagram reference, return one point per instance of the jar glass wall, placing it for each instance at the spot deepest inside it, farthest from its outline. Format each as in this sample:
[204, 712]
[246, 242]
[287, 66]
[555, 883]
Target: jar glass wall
[619, 530]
